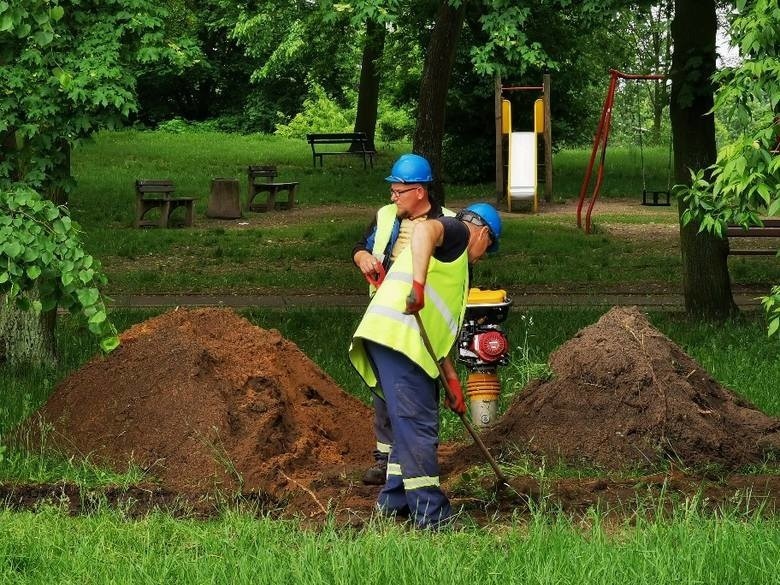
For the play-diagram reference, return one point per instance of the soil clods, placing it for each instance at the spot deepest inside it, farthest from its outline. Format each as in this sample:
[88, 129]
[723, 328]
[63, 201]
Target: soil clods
[204, 400]
[623, 395]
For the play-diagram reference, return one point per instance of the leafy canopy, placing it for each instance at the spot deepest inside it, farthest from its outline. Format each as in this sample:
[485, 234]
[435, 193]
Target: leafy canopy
[41, 251]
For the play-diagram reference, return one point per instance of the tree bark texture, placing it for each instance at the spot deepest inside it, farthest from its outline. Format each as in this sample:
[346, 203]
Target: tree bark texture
[368, 92]
[706, 284]
[434, 85]
[26, 338]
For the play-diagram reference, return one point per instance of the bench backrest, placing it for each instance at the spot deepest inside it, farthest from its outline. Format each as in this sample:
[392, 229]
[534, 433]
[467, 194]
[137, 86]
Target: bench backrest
[267, 171]
[337, 137]
[143, 186]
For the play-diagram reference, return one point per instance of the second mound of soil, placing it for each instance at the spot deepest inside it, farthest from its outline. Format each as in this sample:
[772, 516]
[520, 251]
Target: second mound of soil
[203, 399]
[623, 395]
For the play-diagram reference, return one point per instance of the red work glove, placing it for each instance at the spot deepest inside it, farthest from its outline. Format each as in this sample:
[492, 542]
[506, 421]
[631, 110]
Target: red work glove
[416, 299]
[454, 399]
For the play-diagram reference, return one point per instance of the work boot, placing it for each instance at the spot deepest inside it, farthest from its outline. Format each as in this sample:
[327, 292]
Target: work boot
[376, 474]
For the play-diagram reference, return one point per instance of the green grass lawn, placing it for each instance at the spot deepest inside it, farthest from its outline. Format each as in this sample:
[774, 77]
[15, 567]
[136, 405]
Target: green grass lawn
[684, 545]
[274, 254]
[309, 250]
[687, 548]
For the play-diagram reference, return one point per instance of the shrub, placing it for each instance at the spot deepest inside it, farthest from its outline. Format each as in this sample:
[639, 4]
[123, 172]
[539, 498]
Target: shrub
[468, 161]
[320, 114]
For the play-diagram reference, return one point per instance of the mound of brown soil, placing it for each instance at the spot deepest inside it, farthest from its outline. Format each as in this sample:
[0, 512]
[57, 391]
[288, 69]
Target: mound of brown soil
[203, 399]
[623, 394]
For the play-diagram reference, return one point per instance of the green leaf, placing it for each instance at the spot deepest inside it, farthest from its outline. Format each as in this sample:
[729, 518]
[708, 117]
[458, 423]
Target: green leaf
[109, 344]
[56, 13]
[43, 37]
[87, 296]
[13, 250]
[97, 318]
[33, 272]
[774, 325]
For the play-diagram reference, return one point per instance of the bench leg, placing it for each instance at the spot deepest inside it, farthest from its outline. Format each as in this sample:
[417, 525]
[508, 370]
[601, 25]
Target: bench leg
[165, 213]
[290, 203]
[190, 217]
[291, 191]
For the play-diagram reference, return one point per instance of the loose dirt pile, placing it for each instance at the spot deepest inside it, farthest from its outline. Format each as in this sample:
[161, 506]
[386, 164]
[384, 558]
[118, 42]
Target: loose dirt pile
[205, 401]
[202, 399]
[625, 395]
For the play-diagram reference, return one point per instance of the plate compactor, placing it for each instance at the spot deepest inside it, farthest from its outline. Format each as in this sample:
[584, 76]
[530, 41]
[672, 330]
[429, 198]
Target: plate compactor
[482, 347]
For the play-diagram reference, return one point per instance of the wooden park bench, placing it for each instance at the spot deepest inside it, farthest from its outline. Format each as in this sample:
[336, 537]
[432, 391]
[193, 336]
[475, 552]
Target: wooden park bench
[770, 229]
[158, 194]
[350, 138]
[267, 174]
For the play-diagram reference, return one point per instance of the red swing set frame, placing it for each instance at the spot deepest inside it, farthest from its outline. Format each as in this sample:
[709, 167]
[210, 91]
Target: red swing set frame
[600, 142]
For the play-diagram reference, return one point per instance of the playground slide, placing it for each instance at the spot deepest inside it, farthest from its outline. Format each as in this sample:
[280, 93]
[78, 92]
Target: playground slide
[522, 165]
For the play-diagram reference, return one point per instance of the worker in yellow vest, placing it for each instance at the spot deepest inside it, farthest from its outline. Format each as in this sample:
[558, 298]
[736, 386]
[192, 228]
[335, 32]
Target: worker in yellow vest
[383, 241]
[430, 277]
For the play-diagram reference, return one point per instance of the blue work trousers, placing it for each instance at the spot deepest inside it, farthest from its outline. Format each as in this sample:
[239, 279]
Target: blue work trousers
[411, 398]
[382, 430]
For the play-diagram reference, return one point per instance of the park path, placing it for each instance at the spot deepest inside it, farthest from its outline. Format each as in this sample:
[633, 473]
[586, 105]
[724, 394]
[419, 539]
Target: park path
[660, 300]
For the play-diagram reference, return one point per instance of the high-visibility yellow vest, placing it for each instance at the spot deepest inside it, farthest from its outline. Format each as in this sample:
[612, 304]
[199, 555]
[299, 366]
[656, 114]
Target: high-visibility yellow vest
[384, 322]
[385, 222]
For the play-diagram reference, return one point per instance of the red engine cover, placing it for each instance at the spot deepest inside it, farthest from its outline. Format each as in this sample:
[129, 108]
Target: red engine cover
[490, 346]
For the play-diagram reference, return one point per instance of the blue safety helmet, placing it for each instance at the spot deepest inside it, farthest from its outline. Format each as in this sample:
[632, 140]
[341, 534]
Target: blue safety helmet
[410, 168]
[484, 214]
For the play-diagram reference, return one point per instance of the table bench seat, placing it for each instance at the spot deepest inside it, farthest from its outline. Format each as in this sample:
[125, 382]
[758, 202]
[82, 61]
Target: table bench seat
[358, 146]
[159, 194]
[770, 229]
[269, 186]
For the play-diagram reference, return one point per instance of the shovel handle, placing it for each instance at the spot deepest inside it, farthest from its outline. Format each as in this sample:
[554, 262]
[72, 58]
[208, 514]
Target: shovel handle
[477, 439]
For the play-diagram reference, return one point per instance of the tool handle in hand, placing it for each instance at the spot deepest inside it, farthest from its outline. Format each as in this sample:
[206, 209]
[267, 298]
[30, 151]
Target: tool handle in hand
[477, 439]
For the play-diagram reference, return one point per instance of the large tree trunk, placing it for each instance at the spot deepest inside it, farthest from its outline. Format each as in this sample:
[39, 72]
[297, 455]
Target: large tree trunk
[368, 92]
[439, 58]
[706, 284]
[26, 338]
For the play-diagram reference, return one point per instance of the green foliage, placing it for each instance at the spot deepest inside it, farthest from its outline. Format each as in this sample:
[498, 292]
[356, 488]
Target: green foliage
[41, 251]
[771, 305]
[394, 123]
[65, 73]
[320, 114]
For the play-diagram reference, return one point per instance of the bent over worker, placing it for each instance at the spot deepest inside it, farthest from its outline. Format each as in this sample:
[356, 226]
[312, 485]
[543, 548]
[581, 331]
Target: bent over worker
[430, 277]
[383, 241]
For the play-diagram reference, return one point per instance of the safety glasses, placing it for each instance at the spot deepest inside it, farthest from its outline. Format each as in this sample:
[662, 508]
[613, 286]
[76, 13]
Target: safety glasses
[399, 192]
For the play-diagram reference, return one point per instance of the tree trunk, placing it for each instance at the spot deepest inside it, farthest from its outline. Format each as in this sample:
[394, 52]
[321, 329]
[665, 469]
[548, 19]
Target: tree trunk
[439, 58]
[368, 92]
[26, 338]
[706, 284]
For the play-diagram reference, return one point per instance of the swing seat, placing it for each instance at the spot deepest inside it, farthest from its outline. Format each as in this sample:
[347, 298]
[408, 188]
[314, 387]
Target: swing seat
[653, 198]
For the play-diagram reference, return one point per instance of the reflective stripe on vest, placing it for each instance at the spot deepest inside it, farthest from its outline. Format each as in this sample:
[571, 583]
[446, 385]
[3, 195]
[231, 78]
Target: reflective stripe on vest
[416, 483]
[385, 220]
[384, 321]
[393, 469]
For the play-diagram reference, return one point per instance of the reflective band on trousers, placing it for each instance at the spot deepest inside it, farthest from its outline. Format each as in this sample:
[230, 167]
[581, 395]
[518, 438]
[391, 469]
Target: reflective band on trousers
[383, 448]
[416, 483]
[393, 469]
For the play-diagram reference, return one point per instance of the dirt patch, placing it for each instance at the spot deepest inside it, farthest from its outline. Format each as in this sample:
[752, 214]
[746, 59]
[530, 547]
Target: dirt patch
[205, 401]
[624, 395]
[222, 413]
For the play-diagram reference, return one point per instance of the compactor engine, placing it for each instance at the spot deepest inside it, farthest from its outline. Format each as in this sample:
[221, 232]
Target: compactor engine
[482, 347]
